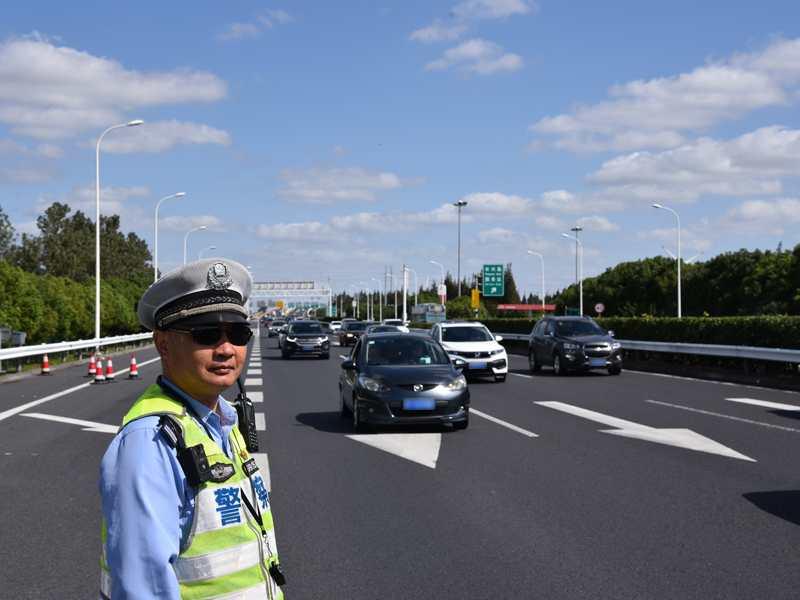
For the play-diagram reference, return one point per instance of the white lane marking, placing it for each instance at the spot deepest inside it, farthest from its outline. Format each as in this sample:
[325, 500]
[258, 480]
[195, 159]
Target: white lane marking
[252, 371]
[263, 467]
[261, 422]
[521, 375]
[256, 396]
[680, 438]
[765, 403]
[343, 356]
[255, 363]
[421, 448]
[254, 381]
[722, 416]
[511, 426]
[86, 425]
[23, 407]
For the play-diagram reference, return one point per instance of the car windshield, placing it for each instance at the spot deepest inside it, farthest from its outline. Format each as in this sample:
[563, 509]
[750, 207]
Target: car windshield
[306, 328]
[466, 334]
[404, 350]
[573, 328]
[354, 326]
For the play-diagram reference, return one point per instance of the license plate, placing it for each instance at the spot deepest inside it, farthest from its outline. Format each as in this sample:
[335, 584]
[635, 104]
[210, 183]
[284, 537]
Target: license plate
[477, 365]
[419, 404]
[307, 348]
[597, 362]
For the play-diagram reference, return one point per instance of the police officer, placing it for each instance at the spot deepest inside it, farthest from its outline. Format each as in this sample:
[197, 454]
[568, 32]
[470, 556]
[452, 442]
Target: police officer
[186, 513]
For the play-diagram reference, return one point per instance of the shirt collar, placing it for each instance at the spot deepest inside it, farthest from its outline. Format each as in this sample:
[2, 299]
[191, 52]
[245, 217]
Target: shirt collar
[227, 414]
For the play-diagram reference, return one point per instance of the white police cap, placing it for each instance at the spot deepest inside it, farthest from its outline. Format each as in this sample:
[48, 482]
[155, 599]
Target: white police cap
[213, 287]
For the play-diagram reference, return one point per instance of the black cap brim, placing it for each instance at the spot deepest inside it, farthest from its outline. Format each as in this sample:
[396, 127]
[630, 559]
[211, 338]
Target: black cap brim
[209, 318]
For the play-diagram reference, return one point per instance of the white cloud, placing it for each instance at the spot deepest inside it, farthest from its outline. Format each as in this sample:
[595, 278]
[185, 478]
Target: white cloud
[598, 223]
[655, 113]
[438, 32]
[771, 217]
[496, 235]
[492, 9]
[275, 16]
[248, 30]
[477, 56]
[26, 174]
[183, 224]
[696, 238]
[328, 185]
[566, 202]
[550, 223]
[750, 164]
[160, 136]
[53, 92]
[308, 230]
[113, 199]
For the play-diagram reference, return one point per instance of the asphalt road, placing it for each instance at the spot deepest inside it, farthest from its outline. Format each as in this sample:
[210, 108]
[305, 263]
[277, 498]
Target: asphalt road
[542, 504]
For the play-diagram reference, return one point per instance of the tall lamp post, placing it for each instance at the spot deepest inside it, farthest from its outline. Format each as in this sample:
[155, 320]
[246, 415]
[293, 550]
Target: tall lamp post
[97, 223]
[579, 251]
[541, 258]
[186, 239]
[459, 205]
[576, 230]
[678, 219]
[155, 238]
[200, 254]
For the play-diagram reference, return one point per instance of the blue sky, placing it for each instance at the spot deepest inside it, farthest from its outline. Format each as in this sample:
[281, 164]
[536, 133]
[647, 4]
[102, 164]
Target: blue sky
[328, 140]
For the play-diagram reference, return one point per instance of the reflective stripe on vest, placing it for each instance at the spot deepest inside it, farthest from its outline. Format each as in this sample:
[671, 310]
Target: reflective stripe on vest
[225, 556]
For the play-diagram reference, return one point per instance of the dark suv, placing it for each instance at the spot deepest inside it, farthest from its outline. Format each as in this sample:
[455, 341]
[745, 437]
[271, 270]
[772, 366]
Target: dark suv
[573, 344]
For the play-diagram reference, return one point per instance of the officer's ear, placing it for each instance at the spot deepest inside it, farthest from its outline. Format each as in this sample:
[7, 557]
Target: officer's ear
[161, 340]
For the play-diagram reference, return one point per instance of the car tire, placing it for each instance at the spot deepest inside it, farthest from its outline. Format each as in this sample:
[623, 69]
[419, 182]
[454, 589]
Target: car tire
[614, 370]
[358, 425]
[284, 355]
[533, 365]
[558, 367]
[499, 378]
[461, 425]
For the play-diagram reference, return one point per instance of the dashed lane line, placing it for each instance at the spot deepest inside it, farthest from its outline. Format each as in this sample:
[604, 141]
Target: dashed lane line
[256, 396]
[765, 404]
[254, 372]
[521, 375]
[18, 409]
[261, 422]
[720, 415]
[257, 381]
[511, 426]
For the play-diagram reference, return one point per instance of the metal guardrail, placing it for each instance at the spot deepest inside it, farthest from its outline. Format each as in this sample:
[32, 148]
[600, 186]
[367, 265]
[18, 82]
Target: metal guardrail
[39, 349]
[751, 352]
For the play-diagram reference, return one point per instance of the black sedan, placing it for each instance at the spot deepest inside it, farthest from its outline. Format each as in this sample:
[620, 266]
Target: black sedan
[573, 344]
[351, 331]
[402, 379]
[304, 338]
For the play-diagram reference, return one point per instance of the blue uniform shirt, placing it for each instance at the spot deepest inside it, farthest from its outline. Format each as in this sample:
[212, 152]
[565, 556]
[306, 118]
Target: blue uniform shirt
[147, 504]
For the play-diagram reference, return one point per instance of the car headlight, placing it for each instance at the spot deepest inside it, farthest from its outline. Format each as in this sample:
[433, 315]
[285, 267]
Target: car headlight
[372, 385]
[459, 383]
[349, 335]
[499, 351]
[616, 346]
[290, 339]
[570, 346]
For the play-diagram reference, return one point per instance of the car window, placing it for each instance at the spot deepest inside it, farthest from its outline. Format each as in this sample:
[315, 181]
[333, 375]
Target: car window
[538, 328]
[573, 328]
[466, 334]
[403, 351]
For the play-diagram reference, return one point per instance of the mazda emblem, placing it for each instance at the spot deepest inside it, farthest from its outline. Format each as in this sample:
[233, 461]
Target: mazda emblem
[417, 387]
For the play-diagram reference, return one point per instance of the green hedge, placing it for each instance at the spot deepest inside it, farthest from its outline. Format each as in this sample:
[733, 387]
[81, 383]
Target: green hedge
[55, 309]
[767, 331]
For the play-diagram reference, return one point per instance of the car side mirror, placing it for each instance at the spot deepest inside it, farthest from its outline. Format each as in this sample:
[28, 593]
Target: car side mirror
[458, 362]
[498, 338]
[348, 365]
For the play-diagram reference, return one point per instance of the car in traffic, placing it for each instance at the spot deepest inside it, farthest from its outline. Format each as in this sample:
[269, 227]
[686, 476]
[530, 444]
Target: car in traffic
[351, 331]
[305, 338]
[397, 323]
[402, 379]
[380, 328]
[275, 327]
[336, 326]
[473, 342]
[571, 344]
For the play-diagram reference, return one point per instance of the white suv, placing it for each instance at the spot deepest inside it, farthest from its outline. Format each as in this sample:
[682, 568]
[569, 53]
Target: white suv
[474, 343]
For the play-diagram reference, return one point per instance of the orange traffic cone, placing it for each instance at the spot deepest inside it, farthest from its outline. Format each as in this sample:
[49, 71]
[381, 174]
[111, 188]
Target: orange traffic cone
[45, 366]
[92, 367]
[109, 370]
[133, 372]
[99, 377]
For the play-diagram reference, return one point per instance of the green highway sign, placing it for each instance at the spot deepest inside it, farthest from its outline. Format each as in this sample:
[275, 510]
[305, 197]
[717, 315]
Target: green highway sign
[494, 283]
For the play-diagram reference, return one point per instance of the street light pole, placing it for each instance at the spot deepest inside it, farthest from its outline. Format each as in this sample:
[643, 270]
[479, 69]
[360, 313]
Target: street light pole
[678, 219]
[541, 258]
[577, 229]
[459, 205]
[579, 246]
[200, 254]
[97, 224]
[155, 239]
[186, 240]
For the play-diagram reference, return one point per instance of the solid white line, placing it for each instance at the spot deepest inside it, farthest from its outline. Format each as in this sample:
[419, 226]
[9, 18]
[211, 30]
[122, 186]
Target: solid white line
[87, 425]
[512, 427]
[261, 422]
[262, 460]
[765, 404]
[254, 381]
[18, 409]
[256, 396]
[521, 375]
[714, 414]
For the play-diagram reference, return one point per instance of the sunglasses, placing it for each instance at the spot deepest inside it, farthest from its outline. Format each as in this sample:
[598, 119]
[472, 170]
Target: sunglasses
[238, 334]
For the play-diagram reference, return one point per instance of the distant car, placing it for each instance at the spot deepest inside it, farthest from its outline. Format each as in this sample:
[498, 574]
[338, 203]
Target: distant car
[304, 338]
[326, 328]
[336, 326]
[385, 329]
[402, 379]
[573, 344]
[397, 323]
[275, 327]
[473, 342]
[351, 331]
